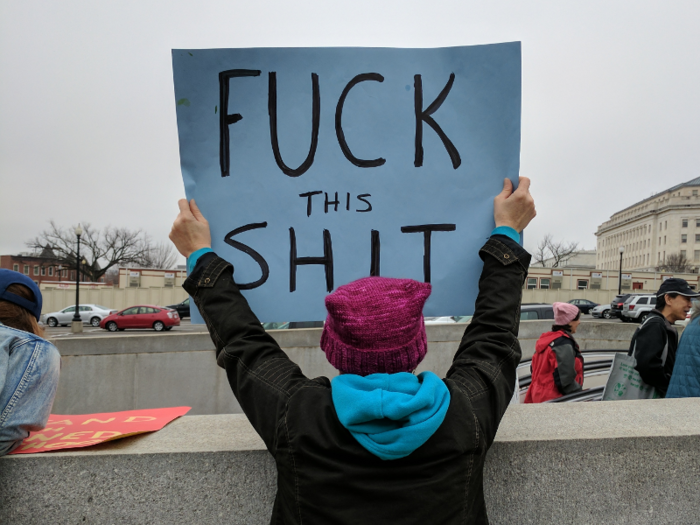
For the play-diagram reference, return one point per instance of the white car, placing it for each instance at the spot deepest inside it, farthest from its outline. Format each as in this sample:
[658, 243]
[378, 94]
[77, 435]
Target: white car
[439, 320]
[637, 307]
[602, 310]
[89, 313]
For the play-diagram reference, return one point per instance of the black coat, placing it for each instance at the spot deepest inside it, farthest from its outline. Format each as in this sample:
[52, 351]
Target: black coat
[325, 476]
[650, 339]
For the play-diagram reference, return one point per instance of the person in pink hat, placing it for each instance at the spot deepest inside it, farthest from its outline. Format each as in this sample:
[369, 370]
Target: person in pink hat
[376, 444]
[557, 365]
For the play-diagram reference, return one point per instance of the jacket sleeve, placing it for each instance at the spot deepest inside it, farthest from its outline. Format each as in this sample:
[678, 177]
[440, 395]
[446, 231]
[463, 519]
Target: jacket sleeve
[651, 340]
[261, 375]
[565, 372]
[33, 372]
[485, 362]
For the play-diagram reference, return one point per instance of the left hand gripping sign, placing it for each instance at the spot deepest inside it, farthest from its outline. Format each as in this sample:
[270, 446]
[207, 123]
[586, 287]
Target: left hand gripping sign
[319, 166]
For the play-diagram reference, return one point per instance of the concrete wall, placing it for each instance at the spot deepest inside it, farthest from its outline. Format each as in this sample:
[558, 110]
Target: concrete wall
[632, 462]
[129, 372]
[118, 298]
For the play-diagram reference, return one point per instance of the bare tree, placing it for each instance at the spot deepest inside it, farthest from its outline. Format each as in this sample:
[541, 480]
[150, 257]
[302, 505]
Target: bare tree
[554, 252]
[112, 276]
[160, 255]
[99, 250]
[675, 262]
[542, 253]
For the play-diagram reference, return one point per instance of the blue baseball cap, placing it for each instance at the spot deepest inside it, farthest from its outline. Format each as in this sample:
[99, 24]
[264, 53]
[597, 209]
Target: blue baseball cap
[8, 277]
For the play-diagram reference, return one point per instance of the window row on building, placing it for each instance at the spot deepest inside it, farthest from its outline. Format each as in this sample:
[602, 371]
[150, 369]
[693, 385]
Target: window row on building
[44, 270]
[545, 283]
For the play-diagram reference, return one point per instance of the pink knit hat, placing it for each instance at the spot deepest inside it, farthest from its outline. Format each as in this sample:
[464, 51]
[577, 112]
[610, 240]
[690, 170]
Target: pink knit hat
[376, 325]
[564, 313]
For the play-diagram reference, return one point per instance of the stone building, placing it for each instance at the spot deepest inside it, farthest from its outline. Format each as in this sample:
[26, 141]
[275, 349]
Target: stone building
[652, 230]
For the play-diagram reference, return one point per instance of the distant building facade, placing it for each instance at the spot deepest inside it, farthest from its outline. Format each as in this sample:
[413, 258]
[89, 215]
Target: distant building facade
[652, 230]
[151, 278]
[579, 259]
[42, 268]
[38, 267]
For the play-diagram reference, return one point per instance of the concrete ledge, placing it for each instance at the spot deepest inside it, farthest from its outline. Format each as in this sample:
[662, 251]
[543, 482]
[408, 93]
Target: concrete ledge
[173, 369]
[590, 335]
[623, 462]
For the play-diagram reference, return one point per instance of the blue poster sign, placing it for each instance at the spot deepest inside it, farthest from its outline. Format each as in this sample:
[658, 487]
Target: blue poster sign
[319, 166]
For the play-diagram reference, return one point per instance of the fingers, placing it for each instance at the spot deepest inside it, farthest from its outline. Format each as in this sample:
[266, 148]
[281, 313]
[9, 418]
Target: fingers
[184, 207]
[507, 188]
[524, 185]
[196, 211]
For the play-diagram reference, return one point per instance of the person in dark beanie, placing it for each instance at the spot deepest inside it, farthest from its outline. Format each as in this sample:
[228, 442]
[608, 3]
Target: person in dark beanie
[29, 364]
[377, 444]
[654, 343]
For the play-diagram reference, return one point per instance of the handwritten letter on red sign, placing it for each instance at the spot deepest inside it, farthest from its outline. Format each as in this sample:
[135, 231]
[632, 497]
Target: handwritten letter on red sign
[73, 431]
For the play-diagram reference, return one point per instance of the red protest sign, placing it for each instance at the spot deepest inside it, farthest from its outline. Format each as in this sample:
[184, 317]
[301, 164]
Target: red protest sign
[73, 431]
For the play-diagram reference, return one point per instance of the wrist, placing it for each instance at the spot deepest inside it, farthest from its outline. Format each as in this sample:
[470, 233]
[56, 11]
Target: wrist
[196, 248]
[193, 257]
[508, 224]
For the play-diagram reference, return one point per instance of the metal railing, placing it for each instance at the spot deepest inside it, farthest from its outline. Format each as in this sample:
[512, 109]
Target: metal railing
[600, 365]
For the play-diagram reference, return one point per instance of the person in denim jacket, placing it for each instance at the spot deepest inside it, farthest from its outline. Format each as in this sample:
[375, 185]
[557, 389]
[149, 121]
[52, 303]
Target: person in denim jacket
[29, 364]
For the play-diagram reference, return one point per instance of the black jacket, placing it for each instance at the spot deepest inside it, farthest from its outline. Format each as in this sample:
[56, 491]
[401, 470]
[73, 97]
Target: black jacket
[650, 339]
[324, 475]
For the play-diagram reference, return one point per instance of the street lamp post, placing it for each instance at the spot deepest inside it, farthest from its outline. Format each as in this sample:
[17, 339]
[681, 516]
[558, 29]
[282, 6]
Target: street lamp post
[619, 280]
[60, 271]
[77, 324]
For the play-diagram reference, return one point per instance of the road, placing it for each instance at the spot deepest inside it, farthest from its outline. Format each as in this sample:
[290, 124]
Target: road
[186, 326]
[89, 331]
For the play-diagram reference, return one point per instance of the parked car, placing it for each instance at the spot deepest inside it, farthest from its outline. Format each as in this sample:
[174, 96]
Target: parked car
[89, 313]
[602, 310]
[584, 305]
[439, 320]
[183, 308]
[142, 316]
[618, 302]
[637, 307]
[534, 311]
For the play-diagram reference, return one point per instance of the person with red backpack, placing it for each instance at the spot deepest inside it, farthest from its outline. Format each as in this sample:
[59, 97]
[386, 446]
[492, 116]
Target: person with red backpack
[557, 366]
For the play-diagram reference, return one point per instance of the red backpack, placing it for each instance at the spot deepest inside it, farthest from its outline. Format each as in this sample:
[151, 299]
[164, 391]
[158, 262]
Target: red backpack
[544, 364]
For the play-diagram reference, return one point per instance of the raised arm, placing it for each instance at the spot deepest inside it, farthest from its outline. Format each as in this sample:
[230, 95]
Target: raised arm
[260, 374]
[485, 362]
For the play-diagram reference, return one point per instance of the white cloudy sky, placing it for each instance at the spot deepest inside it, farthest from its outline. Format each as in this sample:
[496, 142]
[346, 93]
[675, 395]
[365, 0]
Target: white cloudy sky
[611, 98]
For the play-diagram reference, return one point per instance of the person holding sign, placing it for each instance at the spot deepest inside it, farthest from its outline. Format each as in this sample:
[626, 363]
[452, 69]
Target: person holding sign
[376, 444]
[29, 364]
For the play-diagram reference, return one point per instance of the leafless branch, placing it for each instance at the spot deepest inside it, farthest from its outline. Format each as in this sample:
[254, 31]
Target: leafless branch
[101, 250]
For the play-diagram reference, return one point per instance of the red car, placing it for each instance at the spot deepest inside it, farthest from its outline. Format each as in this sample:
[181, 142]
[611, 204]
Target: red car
[142, 316]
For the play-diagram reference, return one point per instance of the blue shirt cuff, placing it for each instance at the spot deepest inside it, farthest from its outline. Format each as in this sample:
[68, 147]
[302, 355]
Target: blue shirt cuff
[194, 257]
[504, 230]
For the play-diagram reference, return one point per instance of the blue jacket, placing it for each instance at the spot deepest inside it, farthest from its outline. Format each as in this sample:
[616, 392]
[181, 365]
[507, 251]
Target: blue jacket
[685, 380]
[29, 368]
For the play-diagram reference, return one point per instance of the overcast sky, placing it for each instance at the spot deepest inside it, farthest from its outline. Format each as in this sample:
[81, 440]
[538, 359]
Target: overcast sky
[611, 98]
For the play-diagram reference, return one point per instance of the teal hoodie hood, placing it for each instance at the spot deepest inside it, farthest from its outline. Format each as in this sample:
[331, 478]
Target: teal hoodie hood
[390, 415]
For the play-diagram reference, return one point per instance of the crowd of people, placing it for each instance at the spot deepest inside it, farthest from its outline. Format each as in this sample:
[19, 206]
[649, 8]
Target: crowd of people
[377, 443]
[670, 368]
